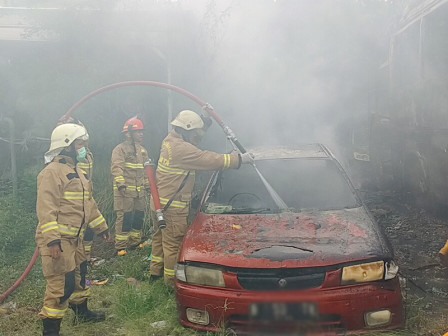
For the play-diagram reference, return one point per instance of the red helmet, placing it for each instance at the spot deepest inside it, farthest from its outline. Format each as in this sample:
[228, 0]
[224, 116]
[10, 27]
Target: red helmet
[132, 124]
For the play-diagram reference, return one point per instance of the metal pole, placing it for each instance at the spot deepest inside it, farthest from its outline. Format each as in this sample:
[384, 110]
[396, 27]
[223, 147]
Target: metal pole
[167, 62]
[12, 140]
[170, 94]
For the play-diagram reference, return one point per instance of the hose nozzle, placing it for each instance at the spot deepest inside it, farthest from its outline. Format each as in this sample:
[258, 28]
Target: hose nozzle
[160, 219]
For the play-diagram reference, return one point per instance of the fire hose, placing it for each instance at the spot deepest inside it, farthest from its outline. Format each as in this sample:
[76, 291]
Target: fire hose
[23, 276]
[205, 106]
[155, 195]
[148, 166]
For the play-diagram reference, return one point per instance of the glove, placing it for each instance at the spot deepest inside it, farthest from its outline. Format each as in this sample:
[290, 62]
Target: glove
[122, 190]
[247, 158]
[207, 121]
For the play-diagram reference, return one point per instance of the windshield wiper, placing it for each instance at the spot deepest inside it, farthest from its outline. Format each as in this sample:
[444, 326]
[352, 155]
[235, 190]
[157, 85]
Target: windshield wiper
[246, 210]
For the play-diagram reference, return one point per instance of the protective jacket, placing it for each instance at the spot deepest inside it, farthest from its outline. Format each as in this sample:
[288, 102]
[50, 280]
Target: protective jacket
[177, 164]
[87, 166]
[65, 205]
[127, 169]
[179, 158]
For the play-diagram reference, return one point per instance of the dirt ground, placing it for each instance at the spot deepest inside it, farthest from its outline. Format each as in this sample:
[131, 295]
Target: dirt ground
[416, 237]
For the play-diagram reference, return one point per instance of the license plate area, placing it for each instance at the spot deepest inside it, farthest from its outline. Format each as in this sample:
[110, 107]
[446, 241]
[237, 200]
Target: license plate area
[283, 311]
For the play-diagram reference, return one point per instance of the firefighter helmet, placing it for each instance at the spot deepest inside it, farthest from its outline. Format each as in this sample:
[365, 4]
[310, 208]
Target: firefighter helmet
[188, 120]
[63, 135]
[132, 124]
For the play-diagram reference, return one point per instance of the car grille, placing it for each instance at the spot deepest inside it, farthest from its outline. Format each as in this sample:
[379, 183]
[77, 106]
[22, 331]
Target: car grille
[280, 279]
[329, 325]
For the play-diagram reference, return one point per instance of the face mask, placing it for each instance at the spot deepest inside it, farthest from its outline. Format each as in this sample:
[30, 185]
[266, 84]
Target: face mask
[81, 154]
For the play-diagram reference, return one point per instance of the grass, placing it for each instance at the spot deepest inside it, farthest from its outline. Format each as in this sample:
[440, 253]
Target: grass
[132, 307]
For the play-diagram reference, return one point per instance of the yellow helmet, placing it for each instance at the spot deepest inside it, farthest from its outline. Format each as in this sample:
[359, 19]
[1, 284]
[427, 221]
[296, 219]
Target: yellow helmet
[188, 120]
[63, 135]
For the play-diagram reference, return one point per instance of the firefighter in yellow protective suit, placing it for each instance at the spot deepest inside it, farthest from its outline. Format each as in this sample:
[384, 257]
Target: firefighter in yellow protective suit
[65, 208]
[87, 166]
[130, 187]
[175, 175]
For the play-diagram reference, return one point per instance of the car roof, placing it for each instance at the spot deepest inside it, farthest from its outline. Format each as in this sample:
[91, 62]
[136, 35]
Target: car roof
[298, 151]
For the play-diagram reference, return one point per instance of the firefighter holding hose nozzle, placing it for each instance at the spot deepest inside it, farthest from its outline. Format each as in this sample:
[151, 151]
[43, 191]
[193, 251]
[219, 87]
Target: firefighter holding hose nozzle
[130, 186]
[65, 208]
[179, 159]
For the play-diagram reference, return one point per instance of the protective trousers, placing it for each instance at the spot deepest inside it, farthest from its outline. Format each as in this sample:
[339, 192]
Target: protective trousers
[166, 244]
[130, 213]
[88, 242]
[65, 277]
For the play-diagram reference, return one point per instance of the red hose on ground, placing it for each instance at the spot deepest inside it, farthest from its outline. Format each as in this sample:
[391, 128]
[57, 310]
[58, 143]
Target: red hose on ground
[23, 276]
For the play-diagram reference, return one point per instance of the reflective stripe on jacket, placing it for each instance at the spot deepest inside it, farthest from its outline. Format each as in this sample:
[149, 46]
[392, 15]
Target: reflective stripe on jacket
[65, 205]
[127, 169]
[177, 158]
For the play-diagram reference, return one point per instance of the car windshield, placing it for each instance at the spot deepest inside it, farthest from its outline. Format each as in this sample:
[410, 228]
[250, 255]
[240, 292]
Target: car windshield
[301, 183]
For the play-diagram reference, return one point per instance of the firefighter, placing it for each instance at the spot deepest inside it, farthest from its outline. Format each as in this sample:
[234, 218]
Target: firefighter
[130, 187]
[443, 254]
[65, 208]
[87, 166]
[175, 175]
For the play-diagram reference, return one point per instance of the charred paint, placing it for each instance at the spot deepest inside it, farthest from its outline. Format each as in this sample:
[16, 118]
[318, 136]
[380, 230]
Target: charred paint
[315, 238]
[279, 253]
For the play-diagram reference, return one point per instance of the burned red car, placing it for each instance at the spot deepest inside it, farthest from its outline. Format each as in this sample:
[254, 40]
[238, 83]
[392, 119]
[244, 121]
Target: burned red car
[319, 267]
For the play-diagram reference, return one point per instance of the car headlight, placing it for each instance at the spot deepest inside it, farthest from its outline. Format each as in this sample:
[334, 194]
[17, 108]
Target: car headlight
[377, 270]
[199, 275]
[363, 272]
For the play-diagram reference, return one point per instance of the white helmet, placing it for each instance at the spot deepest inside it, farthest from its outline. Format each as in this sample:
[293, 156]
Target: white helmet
[63, 135]
[188, 120]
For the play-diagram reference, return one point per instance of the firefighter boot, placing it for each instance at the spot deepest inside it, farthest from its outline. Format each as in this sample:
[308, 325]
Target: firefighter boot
[83, 314]
[121, 252]
[154, 278]
[51, 326]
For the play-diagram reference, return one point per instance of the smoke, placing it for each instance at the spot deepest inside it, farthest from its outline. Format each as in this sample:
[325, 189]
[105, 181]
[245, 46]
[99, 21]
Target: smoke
[285, 72]
[277, 72]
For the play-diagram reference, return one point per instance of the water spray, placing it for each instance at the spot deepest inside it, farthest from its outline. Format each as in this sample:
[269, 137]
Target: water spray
[232, 138]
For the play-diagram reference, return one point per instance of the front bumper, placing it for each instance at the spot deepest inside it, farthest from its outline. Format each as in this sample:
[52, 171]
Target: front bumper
[341, 309]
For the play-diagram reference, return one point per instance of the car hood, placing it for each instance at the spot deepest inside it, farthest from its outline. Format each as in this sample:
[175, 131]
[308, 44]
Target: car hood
[306, 239]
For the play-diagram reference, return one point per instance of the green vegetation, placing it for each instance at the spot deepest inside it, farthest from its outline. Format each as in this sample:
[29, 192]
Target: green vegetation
[133, 306]
[131, 303]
